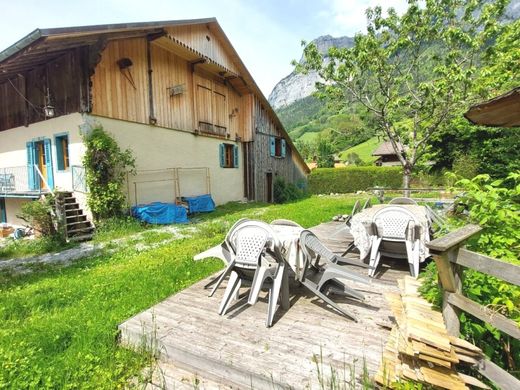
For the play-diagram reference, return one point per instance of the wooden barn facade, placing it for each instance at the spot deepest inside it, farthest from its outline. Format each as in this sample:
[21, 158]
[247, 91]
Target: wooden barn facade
[174, 92]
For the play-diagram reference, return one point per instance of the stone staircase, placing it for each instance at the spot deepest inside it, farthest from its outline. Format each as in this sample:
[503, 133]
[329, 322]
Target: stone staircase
[77, 227]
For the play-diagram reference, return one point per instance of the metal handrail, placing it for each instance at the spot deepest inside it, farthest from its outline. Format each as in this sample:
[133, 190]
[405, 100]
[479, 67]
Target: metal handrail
[43, 179]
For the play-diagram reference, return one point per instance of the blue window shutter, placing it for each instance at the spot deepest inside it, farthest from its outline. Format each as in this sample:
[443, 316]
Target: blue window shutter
[48, 163]
[222, 154]
[31, 158]
[3, 212]
[272, 141]
[59, 154]
[283, 147]
[235, 156]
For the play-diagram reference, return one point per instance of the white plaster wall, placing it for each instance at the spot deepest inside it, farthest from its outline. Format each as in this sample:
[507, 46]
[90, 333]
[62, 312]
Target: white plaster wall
[13, 151]
[157, 148]
[13, 207]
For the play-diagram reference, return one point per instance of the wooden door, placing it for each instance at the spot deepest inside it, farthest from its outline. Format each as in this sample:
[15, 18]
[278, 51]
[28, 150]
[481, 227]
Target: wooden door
[40, 159]
[269, 187]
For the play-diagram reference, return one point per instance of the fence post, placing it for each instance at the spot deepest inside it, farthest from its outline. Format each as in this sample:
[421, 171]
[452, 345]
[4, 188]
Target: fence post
[450, 280]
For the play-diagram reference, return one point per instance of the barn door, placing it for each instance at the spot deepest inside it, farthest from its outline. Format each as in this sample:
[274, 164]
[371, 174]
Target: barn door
[269, 187]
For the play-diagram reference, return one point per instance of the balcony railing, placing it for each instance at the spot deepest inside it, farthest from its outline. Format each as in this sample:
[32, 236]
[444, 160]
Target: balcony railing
[23, 181]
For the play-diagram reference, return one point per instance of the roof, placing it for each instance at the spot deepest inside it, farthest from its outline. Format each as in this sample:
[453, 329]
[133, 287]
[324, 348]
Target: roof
[386, 149]
[44, 45]
[502, 111]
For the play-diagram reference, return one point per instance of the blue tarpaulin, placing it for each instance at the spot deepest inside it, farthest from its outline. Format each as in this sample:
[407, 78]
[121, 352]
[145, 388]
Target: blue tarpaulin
[200, 204]
[159, 213]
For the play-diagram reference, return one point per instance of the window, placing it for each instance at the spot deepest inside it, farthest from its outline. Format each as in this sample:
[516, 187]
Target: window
[277, 147]
[228, 156]
[62, 151]
[211, 107]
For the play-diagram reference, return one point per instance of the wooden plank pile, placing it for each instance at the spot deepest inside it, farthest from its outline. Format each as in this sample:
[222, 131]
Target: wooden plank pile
[419, 347]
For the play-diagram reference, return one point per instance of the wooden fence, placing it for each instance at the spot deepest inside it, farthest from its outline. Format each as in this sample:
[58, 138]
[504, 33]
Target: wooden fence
[450, 257]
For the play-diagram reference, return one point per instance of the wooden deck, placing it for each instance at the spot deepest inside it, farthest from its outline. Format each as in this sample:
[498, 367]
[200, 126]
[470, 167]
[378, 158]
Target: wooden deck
[238, 351]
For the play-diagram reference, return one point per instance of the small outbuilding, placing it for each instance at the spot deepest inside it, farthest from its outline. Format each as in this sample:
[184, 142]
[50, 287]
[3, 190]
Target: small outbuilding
[386, 155]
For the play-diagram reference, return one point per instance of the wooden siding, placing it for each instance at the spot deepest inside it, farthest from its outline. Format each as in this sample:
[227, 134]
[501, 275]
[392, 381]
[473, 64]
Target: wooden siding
[22, 98]
[113, 94]
[203, 97]
[174, 112]
[204, 41]
[284, 167]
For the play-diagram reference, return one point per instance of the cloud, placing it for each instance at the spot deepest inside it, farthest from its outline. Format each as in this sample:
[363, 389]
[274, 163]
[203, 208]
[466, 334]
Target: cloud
[349, 18]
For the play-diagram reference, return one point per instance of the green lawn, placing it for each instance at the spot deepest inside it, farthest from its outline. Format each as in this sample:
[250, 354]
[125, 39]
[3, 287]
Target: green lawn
[58, 325]
[363, 150]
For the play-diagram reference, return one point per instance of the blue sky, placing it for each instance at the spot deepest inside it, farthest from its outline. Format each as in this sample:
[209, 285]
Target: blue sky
[266, 34]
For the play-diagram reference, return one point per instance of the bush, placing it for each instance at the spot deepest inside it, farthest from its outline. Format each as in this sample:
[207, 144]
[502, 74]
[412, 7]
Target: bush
[352, 179]
[286, 192]
[106, 166]
[39, 215]
[495, 206]
[465, 166]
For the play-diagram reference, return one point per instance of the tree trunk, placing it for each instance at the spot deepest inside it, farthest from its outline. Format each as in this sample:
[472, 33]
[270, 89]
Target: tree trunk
[407, 174]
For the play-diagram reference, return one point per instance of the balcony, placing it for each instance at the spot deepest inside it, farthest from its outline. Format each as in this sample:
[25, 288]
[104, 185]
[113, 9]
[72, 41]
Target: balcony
[22, 182]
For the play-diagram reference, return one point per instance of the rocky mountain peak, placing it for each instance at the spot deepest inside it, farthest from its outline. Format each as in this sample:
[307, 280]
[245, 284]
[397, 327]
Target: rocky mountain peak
[298, 86]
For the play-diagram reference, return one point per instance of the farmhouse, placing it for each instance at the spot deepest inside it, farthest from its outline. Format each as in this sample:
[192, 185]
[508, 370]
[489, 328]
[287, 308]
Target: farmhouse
[386, 155]
[174, 92]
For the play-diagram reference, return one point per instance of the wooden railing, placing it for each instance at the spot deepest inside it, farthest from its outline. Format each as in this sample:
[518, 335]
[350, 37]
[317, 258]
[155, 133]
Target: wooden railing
[450, 257]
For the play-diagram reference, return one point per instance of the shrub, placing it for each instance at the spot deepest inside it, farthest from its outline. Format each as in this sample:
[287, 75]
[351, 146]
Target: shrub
[465, 166]
[106, 166]
[39, 215]
[495, 206]
[286, 192]
[352, 179]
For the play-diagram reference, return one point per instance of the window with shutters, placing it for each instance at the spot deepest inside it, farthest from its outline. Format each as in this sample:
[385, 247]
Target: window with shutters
[62, 151]
[228, 156]
[211, 102]
[277, 147]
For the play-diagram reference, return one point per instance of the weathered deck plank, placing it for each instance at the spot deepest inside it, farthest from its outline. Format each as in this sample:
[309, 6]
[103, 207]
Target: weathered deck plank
[238, 350]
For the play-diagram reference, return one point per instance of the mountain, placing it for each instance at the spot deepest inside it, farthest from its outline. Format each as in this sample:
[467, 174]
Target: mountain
[297, 86]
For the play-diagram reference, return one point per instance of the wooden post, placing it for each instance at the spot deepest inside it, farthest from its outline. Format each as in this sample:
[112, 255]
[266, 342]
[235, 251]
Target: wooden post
[445, 251]
[450, 280]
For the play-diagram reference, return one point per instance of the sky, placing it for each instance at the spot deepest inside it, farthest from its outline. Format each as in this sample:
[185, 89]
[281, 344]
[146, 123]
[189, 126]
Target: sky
[267, 34]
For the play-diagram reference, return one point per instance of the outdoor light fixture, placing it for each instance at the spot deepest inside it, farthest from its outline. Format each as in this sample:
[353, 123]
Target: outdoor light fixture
[48, 109]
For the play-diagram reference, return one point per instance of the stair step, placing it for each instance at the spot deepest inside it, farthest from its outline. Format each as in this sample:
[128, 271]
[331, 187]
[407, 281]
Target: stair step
[63, 201]
[75, 210]
[81, 230]
[84, 222]
[74, 206]
[84, 237]
[76, 215]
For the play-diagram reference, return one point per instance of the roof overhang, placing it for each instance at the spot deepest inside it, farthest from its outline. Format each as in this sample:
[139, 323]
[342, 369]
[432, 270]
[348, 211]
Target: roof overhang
[502, 111]
[44, 45]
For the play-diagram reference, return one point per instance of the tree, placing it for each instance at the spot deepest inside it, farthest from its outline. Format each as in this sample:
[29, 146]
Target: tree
[325, 154]
[413, 72]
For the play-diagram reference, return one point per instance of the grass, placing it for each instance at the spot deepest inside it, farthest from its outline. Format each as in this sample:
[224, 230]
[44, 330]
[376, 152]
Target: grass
[363, 150]
[25, 248]
[59, 324]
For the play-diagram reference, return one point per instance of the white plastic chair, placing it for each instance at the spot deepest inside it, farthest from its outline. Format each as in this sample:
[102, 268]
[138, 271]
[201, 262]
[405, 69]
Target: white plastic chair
[250, 242]
[320, 273]
[395, 233]
[224, 251]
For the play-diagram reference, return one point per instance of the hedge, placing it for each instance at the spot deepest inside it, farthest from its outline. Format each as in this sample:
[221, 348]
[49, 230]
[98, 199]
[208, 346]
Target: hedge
[352, 179]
